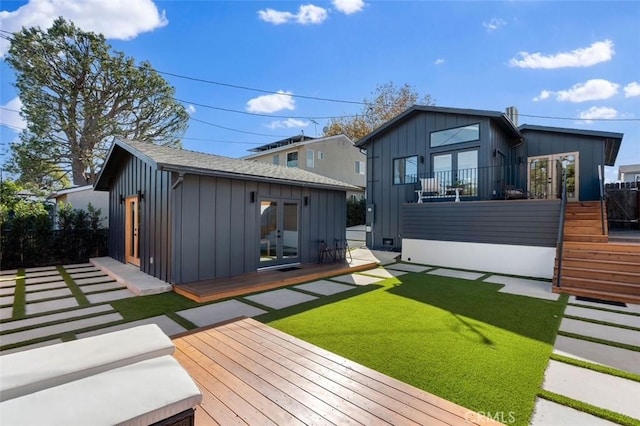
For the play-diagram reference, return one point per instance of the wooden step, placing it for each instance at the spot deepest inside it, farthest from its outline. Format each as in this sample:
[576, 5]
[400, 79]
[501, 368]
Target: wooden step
[603, 247]
[583, 215]
[587, 255]
[602, 265]
[596, 294]
[586, 238]
[583, 205]
[583, 230]
[584, 222]
[602, 275]
[598, 285]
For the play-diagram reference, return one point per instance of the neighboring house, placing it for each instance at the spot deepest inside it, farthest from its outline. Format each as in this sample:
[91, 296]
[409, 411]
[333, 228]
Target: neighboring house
[332, 156]
[185, 216]
[429, 155]
[79, 197]
[629, 173]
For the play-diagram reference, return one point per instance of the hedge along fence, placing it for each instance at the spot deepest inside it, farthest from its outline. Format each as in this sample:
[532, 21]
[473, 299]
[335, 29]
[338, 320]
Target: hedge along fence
[28, 240]
[36, 248]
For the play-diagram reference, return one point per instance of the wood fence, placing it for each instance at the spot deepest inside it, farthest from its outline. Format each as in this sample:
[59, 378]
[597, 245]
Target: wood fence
[623, 205]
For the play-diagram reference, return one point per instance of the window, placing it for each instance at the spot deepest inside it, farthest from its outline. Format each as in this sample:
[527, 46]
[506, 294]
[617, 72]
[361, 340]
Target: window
[320, 155]
[310, 158]
[405, 170]
[276, 159]
[459, 168]
[455, 135]
[292, 159]
[360, 167]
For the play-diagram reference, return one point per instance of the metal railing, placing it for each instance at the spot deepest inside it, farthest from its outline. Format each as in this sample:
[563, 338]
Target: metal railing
[560, 242]
[601, 187]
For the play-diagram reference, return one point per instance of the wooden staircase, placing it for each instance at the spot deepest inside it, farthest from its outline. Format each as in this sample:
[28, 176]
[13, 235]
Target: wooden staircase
[593, 267]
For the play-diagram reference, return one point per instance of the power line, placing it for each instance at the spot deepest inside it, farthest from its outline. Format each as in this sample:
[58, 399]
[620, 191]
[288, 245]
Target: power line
[235, 130]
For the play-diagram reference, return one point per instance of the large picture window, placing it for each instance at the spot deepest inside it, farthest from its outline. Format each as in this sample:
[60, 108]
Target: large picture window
[456, 135]
[292, 159]
[405, 170]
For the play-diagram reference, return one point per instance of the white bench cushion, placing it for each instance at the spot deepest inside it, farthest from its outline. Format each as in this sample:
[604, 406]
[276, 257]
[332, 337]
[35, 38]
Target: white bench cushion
[33, 370]
[137, 394]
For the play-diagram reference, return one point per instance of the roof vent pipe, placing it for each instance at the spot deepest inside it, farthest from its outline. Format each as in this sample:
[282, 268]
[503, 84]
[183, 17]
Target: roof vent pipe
[512, 113]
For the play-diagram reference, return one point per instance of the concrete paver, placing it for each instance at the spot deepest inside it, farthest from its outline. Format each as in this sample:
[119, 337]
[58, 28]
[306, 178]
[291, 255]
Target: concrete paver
[606, 316]
[42, 273]
[65, 315]
[599, 331]
[408, 267]
[86, 274]
[282, 298]
[356, 279]
[593, 388]
[40, 269]
[92, 288]
[54, 329]
[32, 346]
[453, 273]
[40, 280]
[622, 359]
[8, 272]
[6, 313]
[79, 270]
[8, 283]
[108, 296]
[166, 324]
[549, 413]
[324, 287]
[524, 287]
[7, 300]
[51, 305]
[48, 294]
[383, 273]
[77, 265]
[45, 286]
[630, 307]
[217, 312]
[93, 280]
[381, 257]
[131, 276]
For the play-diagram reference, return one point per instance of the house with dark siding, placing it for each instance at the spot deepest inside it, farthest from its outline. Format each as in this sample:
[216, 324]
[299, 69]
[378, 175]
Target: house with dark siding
[184, 216]
[470, 189]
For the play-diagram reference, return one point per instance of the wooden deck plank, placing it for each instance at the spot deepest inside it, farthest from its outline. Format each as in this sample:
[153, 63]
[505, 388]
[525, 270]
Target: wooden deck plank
[253, 282]
[422, 400]
[246, 369]
[371, 394]
[330, 406]
[251, 373]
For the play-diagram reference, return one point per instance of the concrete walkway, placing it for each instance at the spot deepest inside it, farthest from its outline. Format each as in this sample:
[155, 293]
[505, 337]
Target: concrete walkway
[591, 387]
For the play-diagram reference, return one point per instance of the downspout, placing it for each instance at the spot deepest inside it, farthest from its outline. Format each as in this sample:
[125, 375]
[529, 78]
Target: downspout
[178, 181]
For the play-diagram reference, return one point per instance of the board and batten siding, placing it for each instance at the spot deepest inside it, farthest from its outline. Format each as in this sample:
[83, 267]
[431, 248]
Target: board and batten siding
[515, 222]
[411, 137]
[154, 232]
[216, 224]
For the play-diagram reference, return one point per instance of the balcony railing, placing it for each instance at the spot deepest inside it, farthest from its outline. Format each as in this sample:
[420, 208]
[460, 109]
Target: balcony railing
[522, 181]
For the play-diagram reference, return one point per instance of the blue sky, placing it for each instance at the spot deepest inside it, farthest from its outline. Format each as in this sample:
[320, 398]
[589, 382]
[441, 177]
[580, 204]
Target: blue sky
[577, 61]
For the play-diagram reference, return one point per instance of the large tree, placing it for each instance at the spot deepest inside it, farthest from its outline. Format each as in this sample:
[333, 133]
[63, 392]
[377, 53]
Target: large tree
[78, 95]
[387, 102]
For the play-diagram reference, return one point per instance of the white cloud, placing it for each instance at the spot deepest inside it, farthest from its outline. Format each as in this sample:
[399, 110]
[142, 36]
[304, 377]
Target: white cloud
[591, 90]
[288, 123]
[116, 19]
[310, 14]
[439, 61]
[348, 6]
[10, 116]
[598, 113]
[494, 24]
[600, 51]
[545, 94]
[632, 89]
[191, 109]
[307, 14]
[271, 103]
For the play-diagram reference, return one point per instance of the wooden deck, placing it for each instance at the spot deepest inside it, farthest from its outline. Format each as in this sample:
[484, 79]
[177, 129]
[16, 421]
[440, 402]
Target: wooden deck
[250, 373]
[221, 288]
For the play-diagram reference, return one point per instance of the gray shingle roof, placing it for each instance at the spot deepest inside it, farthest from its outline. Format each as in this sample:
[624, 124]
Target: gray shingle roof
[180, 160]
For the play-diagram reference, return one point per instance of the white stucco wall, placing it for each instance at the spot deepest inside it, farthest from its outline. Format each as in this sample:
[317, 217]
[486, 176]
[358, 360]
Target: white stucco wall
[526, 261]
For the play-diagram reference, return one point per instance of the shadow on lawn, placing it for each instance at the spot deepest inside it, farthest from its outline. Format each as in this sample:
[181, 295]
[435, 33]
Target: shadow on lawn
[530, 317]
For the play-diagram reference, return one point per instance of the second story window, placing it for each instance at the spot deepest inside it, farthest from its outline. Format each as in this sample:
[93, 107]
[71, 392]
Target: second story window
[292, 159]
[405, 170]
[276, 159]
[310, 158]
[360, 167]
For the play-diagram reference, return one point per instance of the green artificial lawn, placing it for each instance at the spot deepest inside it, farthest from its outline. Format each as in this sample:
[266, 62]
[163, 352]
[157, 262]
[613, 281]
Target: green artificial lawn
[136, 308]
[458, 339]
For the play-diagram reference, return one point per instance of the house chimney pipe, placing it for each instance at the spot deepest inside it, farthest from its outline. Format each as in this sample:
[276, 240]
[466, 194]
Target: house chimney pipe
[512, 113]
